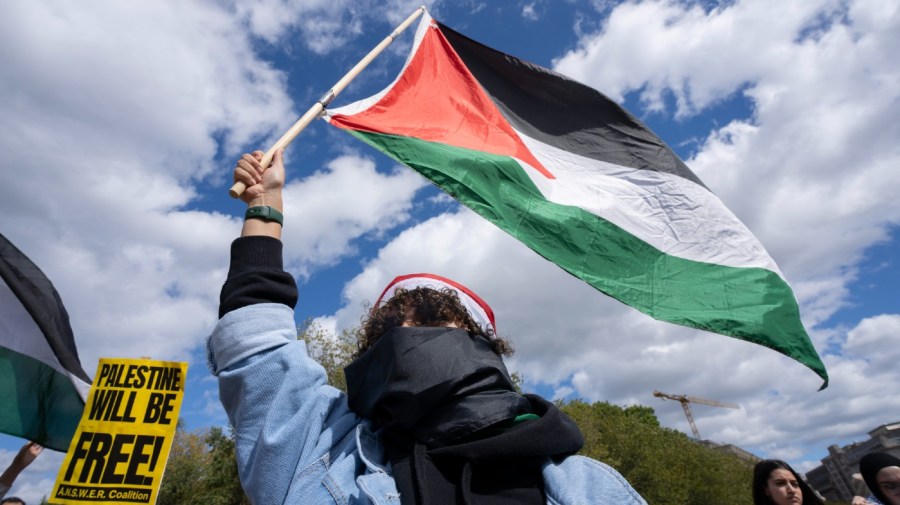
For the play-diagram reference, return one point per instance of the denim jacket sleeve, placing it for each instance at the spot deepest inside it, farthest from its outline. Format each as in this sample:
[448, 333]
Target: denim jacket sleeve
[286, 417]
[579, 480]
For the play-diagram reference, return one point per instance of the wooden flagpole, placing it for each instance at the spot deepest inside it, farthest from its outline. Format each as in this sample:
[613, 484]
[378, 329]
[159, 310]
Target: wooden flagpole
[316, 110]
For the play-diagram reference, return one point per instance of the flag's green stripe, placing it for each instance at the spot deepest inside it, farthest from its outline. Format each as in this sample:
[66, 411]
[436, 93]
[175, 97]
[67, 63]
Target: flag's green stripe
[39, 403]
[752, 304]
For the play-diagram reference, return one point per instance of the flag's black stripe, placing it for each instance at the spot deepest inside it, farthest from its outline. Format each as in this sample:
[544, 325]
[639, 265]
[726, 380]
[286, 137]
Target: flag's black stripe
[40, 299]
[563, 113]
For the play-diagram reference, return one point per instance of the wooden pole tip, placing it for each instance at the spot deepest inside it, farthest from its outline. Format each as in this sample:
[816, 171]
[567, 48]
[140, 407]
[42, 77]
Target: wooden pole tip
[237, 190]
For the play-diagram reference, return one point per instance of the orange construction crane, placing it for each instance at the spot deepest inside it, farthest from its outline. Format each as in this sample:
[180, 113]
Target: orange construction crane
[685, 400]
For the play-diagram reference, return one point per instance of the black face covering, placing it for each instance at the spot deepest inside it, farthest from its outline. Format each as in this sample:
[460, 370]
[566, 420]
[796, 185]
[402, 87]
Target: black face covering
[438, 384]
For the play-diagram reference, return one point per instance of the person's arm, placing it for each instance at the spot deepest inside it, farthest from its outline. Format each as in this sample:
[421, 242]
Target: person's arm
[25, 457]
[264, 188]
[284, 414]
[256, 274]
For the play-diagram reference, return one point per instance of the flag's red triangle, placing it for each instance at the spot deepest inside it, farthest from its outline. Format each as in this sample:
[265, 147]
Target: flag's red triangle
[437, 99]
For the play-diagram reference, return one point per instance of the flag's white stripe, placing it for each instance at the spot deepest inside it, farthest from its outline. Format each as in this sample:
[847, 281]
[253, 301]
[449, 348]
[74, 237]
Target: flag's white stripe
[23, 336]
[671, 213]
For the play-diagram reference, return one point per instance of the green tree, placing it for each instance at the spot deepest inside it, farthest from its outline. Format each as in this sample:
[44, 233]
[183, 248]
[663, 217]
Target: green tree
[202, 470]
[184, 469]
[333, 352]
[664, 465]
[222, 484]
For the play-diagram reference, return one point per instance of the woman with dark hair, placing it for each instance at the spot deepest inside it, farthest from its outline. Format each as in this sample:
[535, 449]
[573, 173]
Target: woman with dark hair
[881, 472]
[776, 483]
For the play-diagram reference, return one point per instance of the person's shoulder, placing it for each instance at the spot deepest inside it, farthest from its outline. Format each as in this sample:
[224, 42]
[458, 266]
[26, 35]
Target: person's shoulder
[579, 479]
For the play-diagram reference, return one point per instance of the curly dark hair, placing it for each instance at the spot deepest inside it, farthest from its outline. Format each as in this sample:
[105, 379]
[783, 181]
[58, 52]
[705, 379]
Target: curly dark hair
[424, 307]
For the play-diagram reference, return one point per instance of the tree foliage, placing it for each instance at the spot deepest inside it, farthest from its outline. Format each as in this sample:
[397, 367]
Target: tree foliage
[664, 465]
[202, 470]
[333, 352]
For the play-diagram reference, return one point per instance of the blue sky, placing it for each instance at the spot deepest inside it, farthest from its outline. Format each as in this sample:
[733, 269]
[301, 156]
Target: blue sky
[123, 121]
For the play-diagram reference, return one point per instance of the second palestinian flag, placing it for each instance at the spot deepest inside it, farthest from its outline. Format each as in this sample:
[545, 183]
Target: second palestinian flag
[42, 384]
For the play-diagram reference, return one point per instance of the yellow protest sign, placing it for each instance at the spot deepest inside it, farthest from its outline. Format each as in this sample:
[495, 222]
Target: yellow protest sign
[121, 446]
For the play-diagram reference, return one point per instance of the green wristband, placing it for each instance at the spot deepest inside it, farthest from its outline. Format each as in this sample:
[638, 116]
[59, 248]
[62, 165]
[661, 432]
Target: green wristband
[265, 213]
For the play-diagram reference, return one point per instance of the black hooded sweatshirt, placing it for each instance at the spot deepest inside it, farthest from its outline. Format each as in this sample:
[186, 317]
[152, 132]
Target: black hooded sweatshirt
[448, 412]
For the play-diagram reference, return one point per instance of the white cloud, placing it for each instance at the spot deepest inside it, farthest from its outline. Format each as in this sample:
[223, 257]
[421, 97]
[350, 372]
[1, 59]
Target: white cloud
[875, 340]
[562, 392]
[326, 25]
[529, 12]
[327, 210]
[699, 55]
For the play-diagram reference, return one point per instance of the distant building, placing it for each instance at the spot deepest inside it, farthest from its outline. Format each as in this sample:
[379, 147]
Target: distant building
[730, 449]
[833, 477]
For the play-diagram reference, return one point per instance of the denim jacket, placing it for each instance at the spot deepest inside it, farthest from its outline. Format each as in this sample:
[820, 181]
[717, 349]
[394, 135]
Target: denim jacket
[298, 442]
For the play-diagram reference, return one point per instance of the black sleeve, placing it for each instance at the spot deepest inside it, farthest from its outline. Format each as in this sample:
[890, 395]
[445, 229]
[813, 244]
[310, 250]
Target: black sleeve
[256, 275]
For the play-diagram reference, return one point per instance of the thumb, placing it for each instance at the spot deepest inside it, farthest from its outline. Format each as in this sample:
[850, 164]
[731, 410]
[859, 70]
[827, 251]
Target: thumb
[279, 157]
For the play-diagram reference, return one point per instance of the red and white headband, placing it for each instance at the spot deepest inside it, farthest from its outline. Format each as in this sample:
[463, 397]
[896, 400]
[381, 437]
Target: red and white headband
[476, 307]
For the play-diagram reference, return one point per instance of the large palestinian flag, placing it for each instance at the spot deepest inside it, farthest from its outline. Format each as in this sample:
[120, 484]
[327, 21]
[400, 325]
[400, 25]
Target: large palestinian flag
[42, 384]
[583, 183]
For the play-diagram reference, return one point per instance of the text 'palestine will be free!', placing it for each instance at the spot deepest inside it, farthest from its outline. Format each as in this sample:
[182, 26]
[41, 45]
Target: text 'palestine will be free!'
[119, 452]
